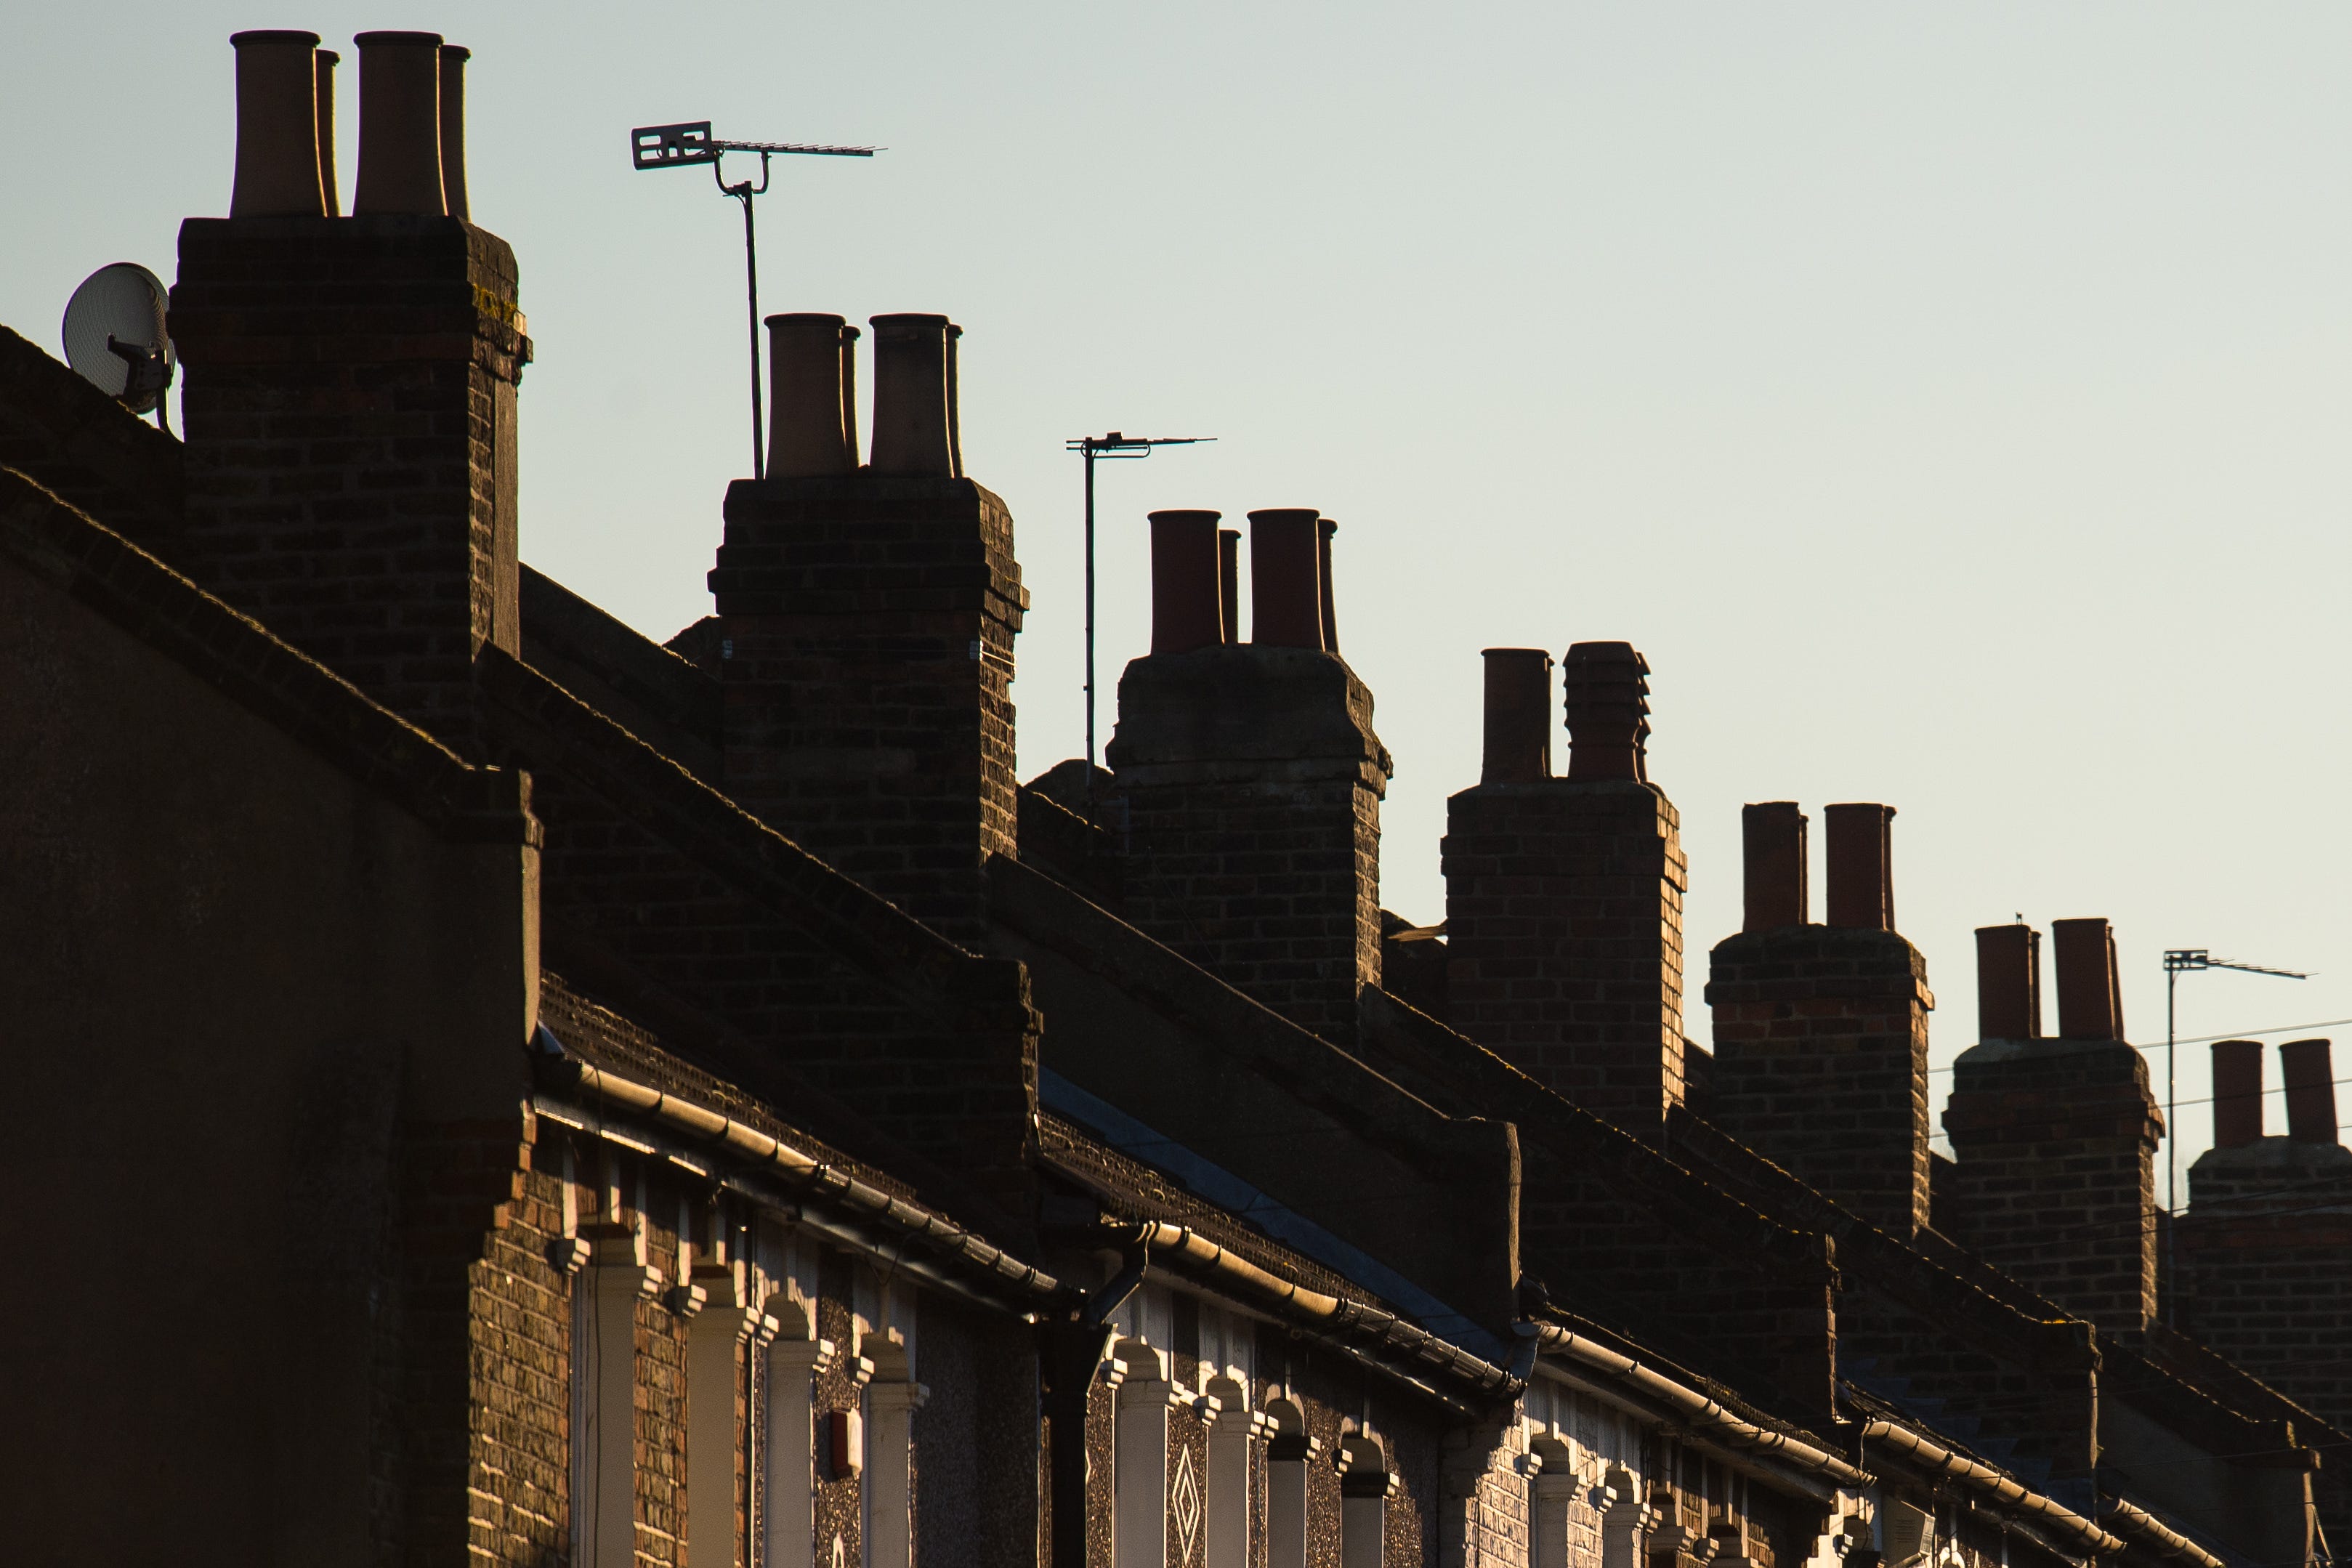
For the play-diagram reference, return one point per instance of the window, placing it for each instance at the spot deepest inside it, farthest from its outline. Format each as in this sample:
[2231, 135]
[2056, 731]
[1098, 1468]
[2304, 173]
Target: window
[1365, 1484]
[1286, 1456]
[605, 1297]
[1139, 1531]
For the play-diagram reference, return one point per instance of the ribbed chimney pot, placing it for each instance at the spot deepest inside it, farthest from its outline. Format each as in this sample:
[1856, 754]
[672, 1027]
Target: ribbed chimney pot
[1518, 716]
[400, 125]
[914, 415]
[1285, 587]
[1861, 866]
[323, 79]
[2237, 1093]
[2310, 1091]
[1186, 612]
[1606, 693]
[453, 129]
[2008, 983]
[277, 126]
[2090, 1001]
[1229, 580]
[805, 396]
[1772, 846]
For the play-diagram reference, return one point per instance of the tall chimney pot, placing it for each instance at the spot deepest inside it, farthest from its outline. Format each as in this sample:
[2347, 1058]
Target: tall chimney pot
[323, 80]
[1772, 845]
[2310, 1091]
[453, 129]
[805, 397]
[849, 336]
[1606, 692]
[2237, 1093]
[1229, 581]
[1323, 576]
[1861, 866]
[277, 126]
[2090, 1001]
[400, 125]
[1285, 585]
[2008, 983]
[1518, 716]
[1186, 612]
[914, 413]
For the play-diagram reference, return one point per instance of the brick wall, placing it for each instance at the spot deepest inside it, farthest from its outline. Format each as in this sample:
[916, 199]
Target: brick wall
[867, 627]
[349, 404]
[1564, 937]
[1245, 806]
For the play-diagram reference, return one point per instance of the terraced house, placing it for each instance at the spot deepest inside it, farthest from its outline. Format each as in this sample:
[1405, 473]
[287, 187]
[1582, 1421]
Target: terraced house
[501, 1090]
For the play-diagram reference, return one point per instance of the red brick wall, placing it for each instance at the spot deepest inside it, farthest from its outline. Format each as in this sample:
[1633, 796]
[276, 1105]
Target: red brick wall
[1564, 936]
[867, 627]
[349, 398]
[1821, 1062]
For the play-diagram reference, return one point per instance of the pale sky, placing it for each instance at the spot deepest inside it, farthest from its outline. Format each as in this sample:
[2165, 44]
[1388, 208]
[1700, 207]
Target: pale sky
[1947, 400]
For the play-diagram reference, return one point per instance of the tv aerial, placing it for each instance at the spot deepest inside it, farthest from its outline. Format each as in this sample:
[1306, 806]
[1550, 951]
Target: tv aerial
[115, 338]
[685, 146]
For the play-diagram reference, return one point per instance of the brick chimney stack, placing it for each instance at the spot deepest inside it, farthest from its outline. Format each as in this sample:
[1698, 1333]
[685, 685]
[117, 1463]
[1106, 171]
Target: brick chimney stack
[868, 616]
[1250, 776]
[1820, 1031]
[2056, 1139]
[349, 384]
[1563, 896]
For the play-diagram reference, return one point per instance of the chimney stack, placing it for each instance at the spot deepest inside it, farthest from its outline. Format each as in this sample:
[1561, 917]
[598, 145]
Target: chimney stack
[1772, 856]
[453, 129]
[349, 403]
[277, 139]
[1607, 695]
[1229, 581]
[1860, 868]
[2310, 1091]
[1821, 1032]
[1286, 552]
[2008, 983]
[1250, 776]
[915, 420]
[1186, 609]
[2056, 1138]
[2237, 1093]
[323, 80]
[1563, 896]
[400, 126]
[810, 356]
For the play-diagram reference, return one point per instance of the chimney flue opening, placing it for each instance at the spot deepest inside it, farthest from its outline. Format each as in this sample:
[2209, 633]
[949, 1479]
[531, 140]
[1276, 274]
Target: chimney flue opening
[1286, 577]
[1186, 609]
[1861, 866]
[2237, 1093]
[400, 125]
[914, 413]
[2310, 1091]
[278, 151]
[2090, 1004]
[1605, 692]
[453, 130]
[2008, 983]
[808, 355]
[1517, 716]
[1772, 846]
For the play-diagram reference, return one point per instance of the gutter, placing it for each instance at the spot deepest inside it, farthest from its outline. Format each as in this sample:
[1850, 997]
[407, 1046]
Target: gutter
[1331, 1313]
[806, 1172]
[1984, 1480]
[2157, 1533]
[1695, 1406]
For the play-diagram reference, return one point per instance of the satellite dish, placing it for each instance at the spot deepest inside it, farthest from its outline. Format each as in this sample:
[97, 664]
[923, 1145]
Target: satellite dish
[115, 337]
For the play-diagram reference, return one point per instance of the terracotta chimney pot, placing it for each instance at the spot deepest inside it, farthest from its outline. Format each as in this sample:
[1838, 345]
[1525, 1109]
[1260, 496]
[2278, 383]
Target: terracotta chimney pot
[1229, 580]
[323, 77]
[1861, 866]
[1772, 846]
[453, 129]
[1285, 586]
[914, 405]
[1605, 691]
[400, 125]
[2090, 1001]
[2008, 983]
[805, 397]
[2310, 1091]
[2237, 1093]
[1186, 612]
[277, 126]
[1323, 574]
[1518, 716]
